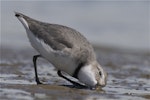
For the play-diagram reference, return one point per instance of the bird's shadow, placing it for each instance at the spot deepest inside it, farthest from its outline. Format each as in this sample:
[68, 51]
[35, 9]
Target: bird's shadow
[83, 87]
[76, 86]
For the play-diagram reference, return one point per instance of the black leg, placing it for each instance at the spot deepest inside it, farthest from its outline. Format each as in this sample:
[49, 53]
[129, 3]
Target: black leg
[35, 68]
[74, 83]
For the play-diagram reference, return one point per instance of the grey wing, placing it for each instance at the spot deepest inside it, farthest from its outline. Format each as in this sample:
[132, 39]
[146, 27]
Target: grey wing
[51, 36]
[63, 40]
[58, 44]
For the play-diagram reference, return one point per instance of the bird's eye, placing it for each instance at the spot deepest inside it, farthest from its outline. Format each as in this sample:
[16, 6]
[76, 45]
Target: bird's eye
[100, 73]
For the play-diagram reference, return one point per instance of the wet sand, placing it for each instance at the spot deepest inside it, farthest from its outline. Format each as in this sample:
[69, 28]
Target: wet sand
[128, 77]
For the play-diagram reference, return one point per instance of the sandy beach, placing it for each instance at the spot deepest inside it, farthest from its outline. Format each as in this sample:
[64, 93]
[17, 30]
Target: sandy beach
[128, 77]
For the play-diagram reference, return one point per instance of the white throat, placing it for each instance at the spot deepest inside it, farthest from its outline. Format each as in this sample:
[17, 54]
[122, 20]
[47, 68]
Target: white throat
[87, 76]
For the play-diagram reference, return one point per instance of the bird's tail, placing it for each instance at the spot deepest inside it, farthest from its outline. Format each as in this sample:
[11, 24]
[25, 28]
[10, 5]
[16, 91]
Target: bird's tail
[23, 19]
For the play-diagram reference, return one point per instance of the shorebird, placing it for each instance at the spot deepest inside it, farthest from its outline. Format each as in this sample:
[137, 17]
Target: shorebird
[65, 48]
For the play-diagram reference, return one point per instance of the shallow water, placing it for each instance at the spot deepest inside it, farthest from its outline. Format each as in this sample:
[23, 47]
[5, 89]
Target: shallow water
[128, 77]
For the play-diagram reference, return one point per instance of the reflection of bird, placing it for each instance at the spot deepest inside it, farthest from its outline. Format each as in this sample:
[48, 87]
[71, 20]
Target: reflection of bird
[66, 49]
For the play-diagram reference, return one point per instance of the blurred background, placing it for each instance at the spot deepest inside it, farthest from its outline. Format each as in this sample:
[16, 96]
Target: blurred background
[115, 24]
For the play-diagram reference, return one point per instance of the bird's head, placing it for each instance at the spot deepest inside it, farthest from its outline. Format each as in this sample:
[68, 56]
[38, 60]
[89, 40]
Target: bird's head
[92, 75]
